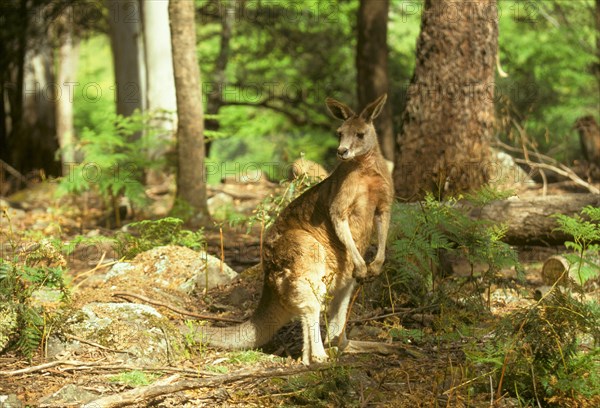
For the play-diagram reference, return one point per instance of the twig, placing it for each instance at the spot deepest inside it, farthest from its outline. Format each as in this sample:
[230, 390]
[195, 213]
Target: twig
[401, 312]
[555, 166]
[75, 365]
[46, 366]
[100, 346]
[13, 171]
[175, 309]
[569, 174]
[167, 386]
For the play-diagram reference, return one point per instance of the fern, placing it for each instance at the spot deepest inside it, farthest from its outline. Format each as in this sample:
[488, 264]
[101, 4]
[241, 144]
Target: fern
[541, 353]
[115, 158]
[421, 235]
[586, 250]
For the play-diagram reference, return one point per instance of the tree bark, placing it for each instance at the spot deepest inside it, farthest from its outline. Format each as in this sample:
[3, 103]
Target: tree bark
[372, 67]
[160, 96]
[126, 38]
[530, 219]
[191, 179]
[215, 94]
[448, 121]
[68, 55]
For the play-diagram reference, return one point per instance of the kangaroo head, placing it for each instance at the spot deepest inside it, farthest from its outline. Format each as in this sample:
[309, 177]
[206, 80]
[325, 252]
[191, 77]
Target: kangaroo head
[357, 134]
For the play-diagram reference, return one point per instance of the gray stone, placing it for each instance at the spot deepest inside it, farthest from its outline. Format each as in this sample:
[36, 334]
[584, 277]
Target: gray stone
[69, 395]
[134, 333]
[10, 401]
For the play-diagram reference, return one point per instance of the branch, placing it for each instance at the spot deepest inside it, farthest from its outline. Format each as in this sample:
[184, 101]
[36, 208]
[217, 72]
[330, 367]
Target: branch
[554, 166]
[169, 386]
[175, 309]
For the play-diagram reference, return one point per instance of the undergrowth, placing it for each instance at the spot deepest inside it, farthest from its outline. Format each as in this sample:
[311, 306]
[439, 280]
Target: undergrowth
[427, 238]
[115, 158]
[149, 234]
[24, 274]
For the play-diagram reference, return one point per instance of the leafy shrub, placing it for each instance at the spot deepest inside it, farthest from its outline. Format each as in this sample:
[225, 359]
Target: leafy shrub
[422, 236]
[539, 356]
[269, 208]
[150, 234]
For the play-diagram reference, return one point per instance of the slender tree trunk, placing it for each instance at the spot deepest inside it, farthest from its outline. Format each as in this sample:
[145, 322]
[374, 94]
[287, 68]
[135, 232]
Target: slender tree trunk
[160, 98]
[126, 37]
[68, 56]
[191, 180]
[215, 90]
[372, 67]
[448, 121]
[598, 47]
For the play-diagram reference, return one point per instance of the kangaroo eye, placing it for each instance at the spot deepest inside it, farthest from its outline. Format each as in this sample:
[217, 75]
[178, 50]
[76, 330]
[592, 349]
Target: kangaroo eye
[339, 134]
[360, 135]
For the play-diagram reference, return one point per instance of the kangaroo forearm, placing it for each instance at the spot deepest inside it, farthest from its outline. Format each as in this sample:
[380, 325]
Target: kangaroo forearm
[342, 229]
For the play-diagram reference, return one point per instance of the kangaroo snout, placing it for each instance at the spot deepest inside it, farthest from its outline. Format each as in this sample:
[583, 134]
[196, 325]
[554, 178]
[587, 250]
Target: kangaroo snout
[343, 153]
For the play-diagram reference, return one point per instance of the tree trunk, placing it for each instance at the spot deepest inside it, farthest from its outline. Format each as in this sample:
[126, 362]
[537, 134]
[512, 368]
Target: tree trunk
[126, 38]
[191, 178]
[530, 219]
[160, 98]
[372, 67]
[68, 55]
[36, 143]
[448, 121]
[215, 91]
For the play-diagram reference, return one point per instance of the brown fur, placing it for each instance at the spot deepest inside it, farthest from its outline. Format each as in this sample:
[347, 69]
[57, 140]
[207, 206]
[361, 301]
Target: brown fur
[316, 247]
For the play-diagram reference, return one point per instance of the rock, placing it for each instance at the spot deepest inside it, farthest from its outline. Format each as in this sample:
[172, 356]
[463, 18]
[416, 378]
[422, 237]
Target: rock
[47, 299]
[171, 267]
[307, 168]
[8, 326]
[135, 333]
[10, 401]
[505, 173]
[219, 204]
[69, 395]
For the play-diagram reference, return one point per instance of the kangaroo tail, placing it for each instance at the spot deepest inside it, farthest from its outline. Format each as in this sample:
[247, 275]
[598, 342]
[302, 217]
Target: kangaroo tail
[268, 317]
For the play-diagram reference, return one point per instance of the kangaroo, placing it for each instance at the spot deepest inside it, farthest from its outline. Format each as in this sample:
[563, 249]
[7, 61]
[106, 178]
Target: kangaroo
[315, 249]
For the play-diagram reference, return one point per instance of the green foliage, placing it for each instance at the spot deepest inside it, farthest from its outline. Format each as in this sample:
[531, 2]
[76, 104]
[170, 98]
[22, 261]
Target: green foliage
[331, 387]
[537, 352]
[423, 236]
[586, 250]
[115, 158]
[154, 233]
[548, 50]
[269, 208]
[134, 378]
[33, 269]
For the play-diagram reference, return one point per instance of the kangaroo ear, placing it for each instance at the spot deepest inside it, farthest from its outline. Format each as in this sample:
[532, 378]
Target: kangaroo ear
[338, 109]
[373, 109]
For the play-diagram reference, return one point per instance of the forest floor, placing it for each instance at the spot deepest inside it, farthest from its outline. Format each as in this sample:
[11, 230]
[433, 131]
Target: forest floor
[432, 371]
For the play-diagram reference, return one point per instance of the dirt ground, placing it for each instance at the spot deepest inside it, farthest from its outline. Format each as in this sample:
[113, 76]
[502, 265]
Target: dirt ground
[427, 372]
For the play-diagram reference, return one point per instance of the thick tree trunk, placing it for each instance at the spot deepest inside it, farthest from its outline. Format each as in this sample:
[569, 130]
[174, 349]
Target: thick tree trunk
[448, 121]
[530, 220]
[191, 180]
[68, 56]
[372, 67]
[126, 38]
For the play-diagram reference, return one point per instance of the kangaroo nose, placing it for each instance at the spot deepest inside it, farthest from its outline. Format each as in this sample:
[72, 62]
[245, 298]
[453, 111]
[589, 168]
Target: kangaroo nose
[343, 152]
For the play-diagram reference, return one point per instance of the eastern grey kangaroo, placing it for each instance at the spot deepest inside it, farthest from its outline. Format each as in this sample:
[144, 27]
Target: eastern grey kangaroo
[316, 247]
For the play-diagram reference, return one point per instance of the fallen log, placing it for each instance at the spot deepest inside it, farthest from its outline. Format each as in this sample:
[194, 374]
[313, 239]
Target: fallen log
[530, 220]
